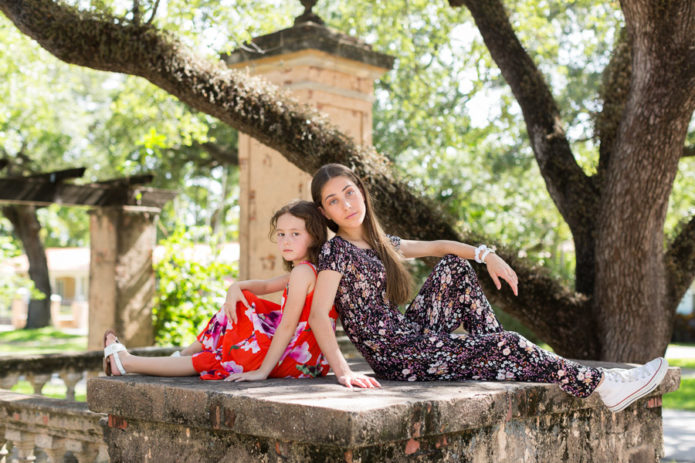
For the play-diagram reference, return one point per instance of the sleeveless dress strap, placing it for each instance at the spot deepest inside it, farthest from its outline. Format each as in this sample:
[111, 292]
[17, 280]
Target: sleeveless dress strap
[313, 267]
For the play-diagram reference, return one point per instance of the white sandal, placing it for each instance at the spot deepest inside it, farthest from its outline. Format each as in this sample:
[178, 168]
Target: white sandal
[113, 349]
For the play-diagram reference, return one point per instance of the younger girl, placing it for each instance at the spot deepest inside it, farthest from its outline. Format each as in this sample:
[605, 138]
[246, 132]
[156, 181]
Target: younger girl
[361, 269]
[251, 338]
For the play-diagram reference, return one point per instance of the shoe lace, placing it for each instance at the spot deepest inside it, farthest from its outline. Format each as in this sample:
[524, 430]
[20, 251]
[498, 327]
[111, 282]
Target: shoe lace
[620, 375]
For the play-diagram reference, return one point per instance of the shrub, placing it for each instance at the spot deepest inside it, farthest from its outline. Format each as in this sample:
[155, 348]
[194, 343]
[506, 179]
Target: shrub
[190, 289]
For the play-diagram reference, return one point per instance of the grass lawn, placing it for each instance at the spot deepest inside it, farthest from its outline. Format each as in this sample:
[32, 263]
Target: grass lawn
[683, 363]
[57, 391]
[40, 341]
[683, 398]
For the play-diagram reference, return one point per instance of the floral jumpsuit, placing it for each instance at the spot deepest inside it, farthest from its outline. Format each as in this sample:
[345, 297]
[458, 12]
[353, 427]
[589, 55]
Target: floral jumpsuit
[420, 346]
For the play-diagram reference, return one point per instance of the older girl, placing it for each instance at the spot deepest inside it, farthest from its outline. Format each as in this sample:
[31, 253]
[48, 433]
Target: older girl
[361, 269]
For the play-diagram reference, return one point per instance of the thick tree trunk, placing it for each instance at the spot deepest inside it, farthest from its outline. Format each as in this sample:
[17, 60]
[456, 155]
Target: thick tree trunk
[632, 297]
[27, 228]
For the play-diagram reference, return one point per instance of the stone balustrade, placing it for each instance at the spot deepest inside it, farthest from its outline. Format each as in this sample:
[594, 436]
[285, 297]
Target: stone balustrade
[71, 368]
[53, 430]
[35, 428]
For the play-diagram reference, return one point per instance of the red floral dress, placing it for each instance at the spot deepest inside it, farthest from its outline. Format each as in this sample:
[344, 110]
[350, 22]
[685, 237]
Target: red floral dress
[243, 346]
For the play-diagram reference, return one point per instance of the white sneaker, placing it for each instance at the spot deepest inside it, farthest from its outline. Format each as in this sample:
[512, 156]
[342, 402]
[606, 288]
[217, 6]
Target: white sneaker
[622, 387]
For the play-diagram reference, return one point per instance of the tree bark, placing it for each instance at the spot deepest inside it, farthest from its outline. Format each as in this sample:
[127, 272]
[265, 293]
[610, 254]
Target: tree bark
[27, 228]
[635, 311]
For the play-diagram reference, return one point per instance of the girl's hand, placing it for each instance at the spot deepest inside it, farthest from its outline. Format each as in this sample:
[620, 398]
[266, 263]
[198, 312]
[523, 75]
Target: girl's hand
[498, 268]
[358, 380]
[234, 296]
[253, 375]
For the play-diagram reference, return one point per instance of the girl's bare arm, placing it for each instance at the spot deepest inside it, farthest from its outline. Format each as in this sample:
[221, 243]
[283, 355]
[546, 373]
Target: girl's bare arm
[301, 281]
[324, 294]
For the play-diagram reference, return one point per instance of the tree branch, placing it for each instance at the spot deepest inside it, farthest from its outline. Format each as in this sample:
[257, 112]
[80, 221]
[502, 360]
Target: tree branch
[301, 135]
[220, 154]
[614, 91]
[136, 12]
[573, 192]
[688, 151]
[570, 188]
[154, 12]
[680, 263]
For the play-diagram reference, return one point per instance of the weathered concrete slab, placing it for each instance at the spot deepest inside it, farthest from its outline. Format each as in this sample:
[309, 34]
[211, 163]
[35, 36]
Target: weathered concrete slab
[318, 420]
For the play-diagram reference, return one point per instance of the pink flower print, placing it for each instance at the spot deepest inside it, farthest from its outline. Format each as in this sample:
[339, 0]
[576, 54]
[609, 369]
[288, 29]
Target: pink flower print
[250, 345]
[301, 353]
[509, 375]
[232, 367]
[501, 375]
[209, 342]
[301, 326]
[406, 371]
[506, 351]
[560, 373]
[412, 378]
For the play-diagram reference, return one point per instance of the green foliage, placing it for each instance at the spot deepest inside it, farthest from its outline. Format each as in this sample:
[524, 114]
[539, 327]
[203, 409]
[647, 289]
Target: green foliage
[190, 289]
[683, 398]
[682, 363]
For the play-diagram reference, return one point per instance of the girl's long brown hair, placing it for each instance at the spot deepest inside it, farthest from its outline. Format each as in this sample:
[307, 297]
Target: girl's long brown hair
[398, 280]
[314, 222]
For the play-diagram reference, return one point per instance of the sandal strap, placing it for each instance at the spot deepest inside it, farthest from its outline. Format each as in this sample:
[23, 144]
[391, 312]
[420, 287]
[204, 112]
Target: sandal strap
[114, 349]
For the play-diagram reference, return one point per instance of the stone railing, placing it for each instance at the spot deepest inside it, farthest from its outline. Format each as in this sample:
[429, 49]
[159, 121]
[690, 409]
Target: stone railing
[54, 430]
[71, 368]
[35, 428]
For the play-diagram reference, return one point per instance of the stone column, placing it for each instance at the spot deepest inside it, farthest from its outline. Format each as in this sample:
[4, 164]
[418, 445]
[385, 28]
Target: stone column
[121, 278]
[324, 68]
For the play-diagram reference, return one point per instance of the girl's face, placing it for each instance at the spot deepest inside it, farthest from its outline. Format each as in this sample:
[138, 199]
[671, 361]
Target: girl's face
[293, 239]
[343, 203]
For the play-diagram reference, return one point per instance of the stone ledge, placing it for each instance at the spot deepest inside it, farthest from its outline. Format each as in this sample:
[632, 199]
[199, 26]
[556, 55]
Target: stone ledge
[319, 411]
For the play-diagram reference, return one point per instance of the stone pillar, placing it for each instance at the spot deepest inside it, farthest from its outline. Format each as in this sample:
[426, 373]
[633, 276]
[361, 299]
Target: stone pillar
[331, 71]
[121, 278]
